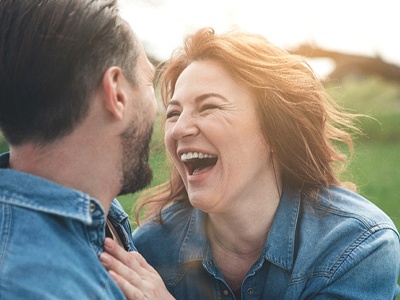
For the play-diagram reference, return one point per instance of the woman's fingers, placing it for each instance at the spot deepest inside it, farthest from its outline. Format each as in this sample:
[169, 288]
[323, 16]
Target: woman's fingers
[118, 252]
[128, 273]
[129, 259]
[130, 291]
[136, 278]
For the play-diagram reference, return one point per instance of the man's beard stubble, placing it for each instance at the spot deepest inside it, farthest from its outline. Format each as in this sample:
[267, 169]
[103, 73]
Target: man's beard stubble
[136, 171]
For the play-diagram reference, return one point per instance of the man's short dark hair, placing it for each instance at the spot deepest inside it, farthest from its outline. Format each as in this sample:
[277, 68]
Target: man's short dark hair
[53, 55]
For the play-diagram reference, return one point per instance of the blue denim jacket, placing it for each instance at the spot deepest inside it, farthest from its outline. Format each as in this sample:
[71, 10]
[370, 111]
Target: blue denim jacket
[342, 248]
[50, 239]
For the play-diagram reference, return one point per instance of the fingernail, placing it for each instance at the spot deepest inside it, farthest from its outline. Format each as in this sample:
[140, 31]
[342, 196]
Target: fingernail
[105, 259]
[113, 275]
[108, 243]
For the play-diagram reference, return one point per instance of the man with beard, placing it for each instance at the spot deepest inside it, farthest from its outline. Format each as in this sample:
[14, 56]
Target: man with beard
[76, 107]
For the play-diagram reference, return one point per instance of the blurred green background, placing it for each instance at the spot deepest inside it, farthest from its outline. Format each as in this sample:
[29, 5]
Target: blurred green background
[375, 165]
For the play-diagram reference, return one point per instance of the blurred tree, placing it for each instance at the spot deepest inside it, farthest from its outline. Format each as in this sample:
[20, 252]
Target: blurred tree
[351, 64]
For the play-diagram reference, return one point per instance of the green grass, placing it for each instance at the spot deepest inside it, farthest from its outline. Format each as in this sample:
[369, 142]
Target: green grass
[375, 170]
[160, 175]
[3, 144]
[375, 98]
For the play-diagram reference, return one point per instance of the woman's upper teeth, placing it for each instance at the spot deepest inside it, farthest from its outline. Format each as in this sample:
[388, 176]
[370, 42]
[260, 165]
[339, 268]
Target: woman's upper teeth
[191, 155]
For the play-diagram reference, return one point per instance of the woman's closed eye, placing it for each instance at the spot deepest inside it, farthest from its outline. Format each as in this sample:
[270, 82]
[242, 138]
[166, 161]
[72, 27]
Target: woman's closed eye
[208, 107]
[173, 113]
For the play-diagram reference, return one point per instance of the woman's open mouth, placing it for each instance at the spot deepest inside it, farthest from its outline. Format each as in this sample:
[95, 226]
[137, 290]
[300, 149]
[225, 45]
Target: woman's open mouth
[198, 162]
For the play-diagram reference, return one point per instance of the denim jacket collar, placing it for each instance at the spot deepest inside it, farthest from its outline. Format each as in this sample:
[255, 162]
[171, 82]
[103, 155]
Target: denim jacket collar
[195, 243]
[278, 249]
[39, 194]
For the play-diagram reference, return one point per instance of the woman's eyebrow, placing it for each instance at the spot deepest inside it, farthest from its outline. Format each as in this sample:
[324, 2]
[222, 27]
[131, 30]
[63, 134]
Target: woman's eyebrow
[209, 95]
[173, 102]
[199, 98]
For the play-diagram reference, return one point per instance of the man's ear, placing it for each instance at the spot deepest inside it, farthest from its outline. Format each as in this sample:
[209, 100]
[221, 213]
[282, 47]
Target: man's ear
[115, 98]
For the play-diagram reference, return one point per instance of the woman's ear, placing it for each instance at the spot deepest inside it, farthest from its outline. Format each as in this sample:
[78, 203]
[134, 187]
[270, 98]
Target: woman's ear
[115, 98]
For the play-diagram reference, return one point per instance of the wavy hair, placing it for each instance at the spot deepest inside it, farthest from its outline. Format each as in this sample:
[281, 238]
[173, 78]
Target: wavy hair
[299, 121]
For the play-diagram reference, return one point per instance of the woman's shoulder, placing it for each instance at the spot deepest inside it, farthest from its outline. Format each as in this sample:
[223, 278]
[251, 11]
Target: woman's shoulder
[171, 215]
[343, 220]
[347, 205]
[174, 220]
[338, 233]
[161, 243]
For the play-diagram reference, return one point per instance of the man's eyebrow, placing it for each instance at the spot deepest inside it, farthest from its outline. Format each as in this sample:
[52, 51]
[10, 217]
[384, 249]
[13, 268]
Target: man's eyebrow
[200, 98]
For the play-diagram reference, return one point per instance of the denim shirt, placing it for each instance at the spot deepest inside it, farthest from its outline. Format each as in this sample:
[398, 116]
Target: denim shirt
[50, 239]
[343, 247]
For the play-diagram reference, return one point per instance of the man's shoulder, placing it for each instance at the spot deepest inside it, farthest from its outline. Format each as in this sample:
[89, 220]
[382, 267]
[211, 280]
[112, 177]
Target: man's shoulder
[46, 255]
[18, 189]
[66, 272]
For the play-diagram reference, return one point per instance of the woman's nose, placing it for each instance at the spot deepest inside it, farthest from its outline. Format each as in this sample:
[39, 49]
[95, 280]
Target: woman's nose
[185, 126]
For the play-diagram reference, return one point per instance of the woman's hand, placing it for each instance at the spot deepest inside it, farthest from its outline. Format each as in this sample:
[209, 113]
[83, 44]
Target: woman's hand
[136, 278]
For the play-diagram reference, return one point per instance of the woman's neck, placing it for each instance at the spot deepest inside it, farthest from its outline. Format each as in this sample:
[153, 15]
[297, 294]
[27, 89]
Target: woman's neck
[237, 240]
[244, 229]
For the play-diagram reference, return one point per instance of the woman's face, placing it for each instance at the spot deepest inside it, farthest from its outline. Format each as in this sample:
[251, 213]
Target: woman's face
[214, 138]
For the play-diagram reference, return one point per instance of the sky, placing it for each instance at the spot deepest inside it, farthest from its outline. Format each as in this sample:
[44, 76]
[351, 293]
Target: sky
[366, 27]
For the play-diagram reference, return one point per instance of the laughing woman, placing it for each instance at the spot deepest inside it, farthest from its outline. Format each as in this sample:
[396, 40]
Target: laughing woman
[254, 208]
